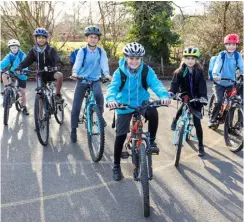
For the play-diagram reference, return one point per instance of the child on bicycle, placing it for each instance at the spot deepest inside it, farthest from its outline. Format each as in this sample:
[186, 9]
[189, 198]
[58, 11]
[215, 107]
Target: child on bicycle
[13, 59]
[225, 70]
[134, 94]
[189, 80]
[45, 56]
[88, 65]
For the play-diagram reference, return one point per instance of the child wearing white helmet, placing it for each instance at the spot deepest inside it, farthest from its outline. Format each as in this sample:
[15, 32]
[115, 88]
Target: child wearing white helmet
[13, 59]
[134, 92]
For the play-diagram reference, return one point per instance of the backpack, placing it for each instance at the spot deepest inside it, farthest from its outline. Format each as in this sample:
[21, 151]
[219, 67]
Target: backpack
[143, 78]
[74, 54]
[213, 60]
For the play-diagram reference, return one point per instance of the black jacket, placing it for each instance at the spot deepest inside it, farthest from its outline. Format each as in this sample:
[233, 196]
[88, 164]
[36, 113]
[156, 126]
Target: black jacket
[182, 84]
[48, 58]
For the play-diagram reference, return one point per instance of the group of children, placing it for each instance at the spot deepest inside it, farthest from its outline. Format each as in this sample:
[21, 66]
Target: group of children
[187, 79]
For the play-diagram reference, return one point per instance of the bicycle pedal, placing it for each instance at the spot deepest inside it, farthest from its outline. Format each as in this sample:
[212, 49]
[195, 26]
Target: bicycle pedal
[124, 155]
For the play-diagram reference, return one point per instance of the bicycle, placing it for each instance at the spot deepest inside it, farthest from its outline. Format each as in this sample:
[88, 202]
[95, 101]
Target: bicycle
[11, 95]
[45, 105]
[184, 125]
[139, 145]
[231, 109]
[93, 119]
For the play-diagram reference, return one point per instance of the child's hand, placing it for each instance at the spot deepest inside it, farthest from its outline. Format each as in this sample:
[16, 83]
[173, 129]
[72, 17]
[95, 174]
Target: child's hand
[216, 79]
[112, 105]
[109, 77]
[74, 76]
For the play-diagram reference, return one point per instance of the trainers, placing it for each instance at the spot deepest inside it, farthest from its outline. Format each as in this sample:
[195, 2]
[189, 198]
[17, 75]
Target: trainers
[117, 175]
[201, 151]
[210, 123]
[154, 148]
[25, 111]
[73, 137]
[173, 124]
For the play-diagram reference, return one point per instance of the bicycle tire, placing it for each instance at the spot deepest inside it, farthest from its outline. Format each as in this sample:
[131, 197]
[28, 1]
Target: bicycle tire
[17, 103]
[38, 98]
[144, 179]
[227, 130]
[95, 152]
[7, 104]
[179, 145]
[60, 110]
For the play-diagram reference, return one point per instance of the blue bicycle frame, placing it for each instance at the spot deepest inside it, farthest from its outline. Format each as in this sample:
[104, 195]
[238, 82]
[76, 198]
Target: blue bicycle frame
[186, 121]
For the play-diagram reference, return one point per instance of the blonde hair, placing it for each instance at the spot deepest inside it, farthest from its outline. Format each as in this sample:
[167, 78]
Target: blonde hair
[183, 65]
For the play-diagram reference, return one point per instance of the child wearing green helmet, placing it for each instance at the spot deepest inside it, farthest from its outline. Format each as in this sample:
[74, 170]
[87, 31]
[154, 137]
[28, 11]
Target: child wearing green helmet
[189, 80]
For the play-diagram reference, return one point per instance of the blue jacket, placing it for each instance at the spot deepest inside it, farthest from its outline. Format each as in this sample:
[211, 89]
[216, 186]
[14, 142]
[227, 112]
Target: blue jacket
[229, 68]
[16, 59]
[133, 92]
[93, 64]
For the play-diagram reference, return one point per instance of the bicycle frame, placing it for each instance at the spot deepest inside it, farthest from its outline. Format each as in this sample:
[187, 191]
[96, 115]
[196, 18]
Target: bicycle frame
[136, 138]
[90, 101]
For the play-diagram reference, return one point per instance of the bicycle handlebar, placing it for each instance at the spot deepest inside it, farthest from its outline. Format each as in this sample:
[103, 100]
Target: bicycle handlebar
[156, 103]
[102, 79]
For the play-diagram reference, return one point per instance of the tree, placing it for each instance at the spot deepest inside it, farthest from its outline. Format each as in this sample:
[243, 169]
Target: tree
[21, 18]
[207, 31]
[151, 26]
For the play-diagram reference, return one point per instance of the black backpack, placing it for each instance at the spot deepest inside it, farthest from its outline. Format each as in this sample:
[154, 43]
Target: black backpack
[143, 78]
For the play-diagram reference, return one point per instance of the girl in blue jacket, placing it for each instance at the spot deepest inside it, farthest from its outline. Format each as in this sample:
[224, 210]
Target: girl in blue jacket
[134, 94]
[13, 59]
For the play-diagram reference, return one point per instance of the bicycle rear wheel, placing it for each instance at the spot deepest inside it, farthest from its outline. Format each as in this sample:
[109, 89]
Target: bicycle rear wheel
[95, 133]
[59, 113]
[233, 129]
[143, 176]
[7, 106]
[179, 144]
[41, 119]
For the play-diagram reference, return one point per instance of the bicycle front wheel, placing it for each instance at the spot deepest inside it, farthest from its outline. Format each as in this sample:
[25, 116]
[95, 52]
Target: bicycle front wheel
[143, 176]
[7, 106]
[179, 144]
[95, 133]
[17, 102]
[59, 113]
[233, 129]
[41, 119]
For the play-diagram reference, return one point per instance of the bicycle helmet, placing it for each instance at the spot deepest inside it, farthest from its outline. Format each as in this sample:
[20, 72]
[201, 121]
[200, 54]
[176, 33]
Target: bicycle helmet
[134, 49]
[191, 51]
[232, 38]
[40, 32]
[13, 42]
[92, 30]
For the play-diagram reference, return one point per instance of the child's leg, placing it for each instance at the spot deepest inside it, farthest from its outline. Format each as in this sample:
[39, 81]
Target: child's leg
[5, 79]
[59, 77]
[122, 128]
[98, 95]
[199, 132]
[178, 114]
[219, 94]
[152, 117]
[79, 94]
